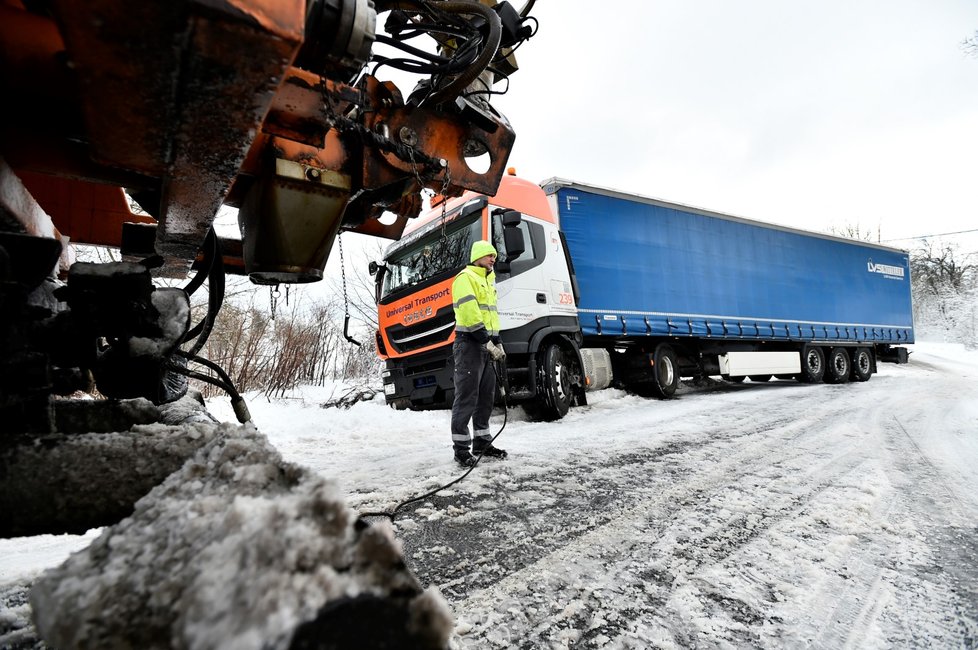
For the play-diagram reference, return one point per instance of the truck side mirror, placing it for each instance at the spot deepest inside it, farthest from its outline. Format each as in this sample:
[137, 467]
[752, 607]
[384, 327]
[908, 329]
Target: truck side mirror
[515, 245]
[512, 236]
[373, 267]
[512, 218]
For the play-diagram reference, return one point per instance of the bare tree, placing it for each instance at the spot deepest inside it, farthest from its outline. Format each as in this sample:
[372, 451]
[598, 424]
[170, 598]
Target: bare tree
[945, 293]
[970, 45]
[936, 267]
[855, 231]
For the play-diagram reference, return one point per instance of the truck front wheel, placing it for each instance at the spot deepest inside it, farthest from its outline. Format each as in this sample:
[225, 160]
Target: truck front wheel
[837, 366]
[554, 389]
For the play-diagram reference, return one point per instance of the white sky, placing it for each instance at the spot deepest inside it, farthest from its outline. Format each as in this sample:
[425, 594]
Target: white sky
[812, 114]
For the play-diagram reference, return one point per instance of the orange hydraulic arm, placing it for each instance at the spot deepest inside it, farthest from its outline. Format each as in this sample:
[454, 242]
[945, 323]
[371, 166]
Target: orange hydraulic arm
[259, 104]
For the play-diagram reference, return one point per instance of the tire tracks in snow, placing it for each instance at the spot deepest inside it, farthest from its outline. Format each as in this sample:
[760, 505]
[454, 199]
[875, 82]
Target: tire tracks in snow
[671, 505]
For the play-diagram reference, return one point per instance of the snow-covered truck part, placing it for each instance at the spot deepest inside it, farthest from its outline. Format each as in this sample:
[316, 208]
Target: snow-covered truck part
[613, 286]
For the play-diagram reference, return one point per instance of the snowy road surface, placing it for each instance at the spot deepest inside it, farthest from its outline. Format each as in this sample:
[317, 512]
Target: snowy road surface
[754, 515]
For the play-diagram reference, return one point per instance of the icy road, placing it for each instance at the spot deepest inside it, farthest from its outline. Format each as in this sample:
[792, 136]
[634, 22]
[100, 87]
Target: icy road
[754, 515]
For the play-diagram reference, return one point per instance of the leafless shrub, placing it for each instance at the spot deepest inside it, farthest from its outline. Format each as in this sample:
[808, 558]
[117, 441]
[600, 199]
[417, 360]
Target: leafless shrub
[302, 345]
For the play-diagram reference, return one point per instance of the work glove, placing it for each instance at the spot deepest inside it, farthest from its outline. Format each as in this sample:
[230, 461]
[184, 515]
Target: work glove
[496, 351]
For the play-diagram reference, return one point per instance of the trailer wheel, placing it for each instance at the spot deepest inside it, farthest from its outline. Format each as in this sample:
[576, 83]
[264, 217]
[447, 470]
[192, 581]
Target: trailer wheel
[555, 391]
[760, 378]
[812, 365]
[862, 365]
[837, 366]
[665, 372]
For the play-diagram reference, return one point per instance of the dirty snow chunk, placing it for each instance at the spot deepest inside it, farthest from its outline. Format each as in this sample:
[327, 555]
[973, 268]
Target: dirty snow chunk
[16, 629]
[174, 309]
[75, 482]
[237, 549]
[188, 409]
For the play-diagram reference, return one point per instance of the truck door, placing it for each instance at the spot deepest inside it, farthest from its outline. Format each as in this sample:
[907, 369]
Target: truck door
[537, 285]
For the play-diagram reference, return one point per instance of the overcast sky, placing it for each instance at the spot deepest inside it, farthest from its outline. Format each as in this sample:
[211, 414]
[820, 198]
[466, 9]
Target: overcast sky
[812, 114]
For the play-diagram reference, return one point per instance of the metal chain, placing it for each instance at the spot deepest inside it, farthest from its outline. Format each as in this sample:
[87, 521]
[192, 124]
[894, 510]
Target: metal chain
[446, 182]
[346, 302]
[404, 152]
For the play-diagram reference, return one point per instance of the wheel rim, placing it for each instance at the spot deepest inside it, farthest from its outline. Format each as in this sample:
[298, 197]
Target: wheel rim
[862, 361]
[813, 362]
[840, 363]
[667, 373]
[559, 379]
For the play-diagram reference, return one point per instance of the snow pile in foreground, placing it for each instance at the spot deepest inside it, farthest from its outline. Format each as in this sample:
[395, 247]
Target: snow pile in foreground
[238, 549]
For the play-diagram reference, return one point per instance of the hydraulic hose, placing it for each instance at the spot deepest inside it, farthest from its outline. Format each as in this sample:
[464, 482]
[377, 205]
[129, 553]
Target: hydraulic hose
[215, 299]
[208, 263]
[460, 7]
[489, 49]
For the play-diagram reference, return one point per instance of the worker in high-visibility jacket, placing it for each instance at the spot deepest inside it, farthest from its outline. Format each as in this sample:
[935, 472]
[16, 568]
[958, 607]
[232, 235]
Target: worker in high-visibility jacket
[477, 344]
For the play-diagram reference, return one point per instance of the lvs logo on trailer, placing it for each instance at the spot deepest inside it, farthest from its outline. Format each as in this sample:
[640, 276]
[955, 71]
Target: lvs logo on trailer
[887, 270]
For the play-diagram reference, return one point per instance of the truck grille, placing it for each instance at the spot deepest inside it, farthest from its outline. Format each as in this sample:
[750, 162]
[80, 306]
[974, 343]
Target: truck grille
[405, 338]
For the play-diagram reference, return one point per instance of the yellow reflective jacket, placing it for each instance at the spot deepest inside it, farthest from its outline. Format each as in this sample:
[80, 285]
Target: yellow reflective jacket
[474, 300]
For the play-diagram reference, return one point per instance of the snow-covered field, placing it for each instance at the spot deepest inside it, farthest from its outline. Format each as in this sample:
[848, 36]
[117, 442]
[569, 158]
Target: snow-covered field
[752, 515]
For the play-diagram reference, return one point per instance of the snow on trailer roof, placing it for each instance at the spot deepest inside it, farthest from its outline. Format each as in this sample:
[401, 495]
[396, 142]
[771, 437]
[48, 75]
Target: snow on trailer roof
[554, 184]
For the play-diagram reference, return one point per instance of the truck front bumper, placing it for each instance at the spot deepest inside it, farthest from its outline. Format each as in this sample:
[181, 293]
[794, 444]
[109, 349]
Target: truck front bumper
[422, 382]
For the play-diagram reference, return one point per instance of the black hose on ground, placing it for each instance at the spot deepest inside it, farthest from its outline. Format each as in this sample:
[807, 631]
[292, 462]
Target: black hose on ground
[390, 515]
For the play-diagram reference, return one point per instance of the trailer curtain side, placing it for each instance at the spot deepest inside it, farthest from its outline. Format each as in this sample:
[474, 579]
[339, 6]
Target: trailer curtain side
[646, 267]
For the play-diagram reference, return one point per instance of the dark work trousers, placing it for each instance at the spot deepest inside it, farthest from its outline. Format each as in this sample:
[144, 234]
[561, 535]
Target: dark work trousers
[475, 388]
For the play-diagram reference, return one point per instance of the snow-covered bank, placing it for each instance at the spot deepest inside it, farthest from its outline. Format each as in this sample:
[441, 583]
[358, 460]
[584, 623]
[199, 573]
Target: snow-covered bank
[761, 515]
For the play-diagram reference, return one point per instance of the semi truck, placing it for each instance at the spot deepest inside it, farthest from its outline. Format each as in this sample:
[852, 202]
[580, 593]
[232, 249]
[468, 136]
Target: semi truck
[597, 286]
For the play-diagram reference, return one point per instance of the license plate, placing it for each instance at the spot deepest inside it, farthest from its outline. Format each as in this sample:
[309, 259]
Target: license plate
[424, 382]
[389, 389]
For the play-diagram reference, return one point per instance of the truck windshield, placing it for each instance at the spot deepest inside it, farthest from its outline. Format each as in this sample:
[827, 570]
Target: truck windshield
[435, 255]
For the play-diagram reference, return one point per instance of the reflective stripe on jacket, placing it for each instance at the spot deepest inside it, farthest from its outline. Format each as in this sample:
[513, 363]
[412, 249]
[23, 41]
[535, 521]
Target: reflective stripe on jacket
[474, 300]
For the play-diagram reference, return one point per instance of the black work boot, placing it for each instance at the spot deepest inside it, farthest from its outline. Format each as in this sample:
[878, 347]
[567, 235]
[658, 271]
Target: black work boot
[464, 458]
[490, 452]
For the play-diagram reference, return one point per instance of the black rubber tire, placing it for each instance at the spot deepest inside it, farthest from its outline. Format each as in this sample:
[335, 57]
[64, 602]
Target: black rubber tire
[838, 365]
[759, 378]
[862, 365]
[735, 380]
[812, 365]
[665, 372]
[554, 389]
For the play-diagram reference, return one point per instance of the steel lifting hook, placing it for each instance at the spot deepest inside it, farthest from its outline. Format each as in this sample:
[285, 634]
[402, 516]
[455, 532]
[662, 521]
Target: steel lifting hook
[346, 327]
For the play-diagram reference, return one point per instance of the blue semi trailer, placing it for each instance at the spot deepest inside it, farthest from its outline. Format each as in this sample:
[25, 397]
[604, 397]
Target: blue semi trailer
[599, 286]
